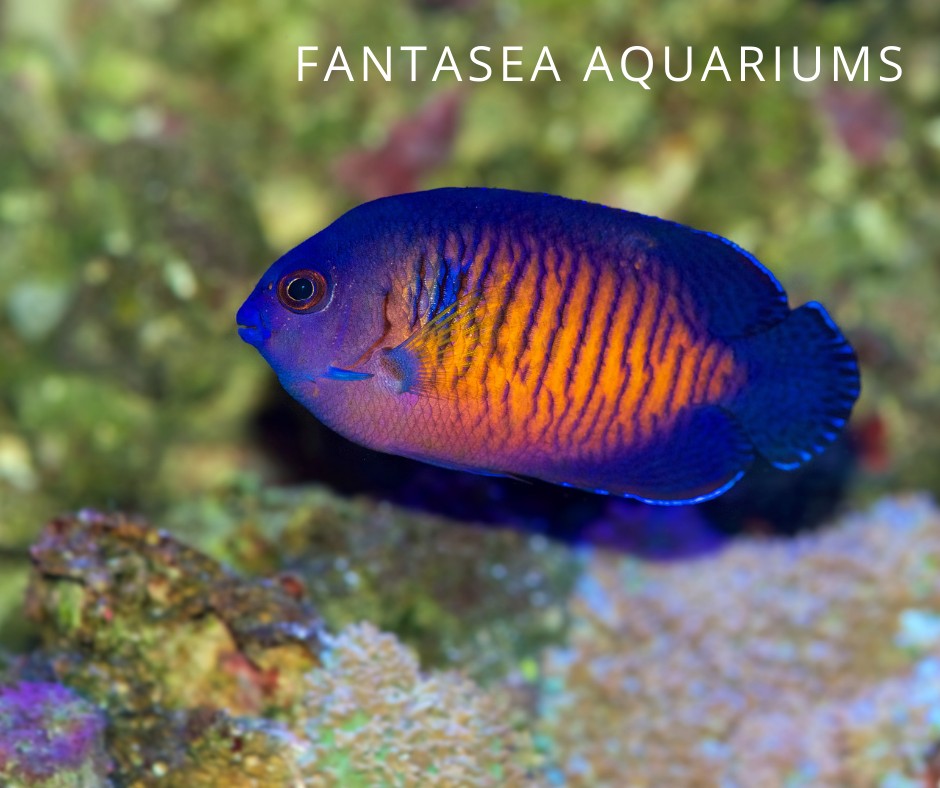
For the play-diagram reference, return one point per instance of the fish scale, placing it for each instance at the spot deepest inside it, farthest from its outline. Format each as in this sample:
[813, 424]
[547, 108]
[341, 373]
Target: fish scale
[521, 334]
[572, 369]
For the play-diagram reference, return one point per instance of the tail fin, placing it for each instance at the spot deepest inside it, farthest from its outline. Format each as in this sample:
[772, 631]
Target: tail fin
[802, 383]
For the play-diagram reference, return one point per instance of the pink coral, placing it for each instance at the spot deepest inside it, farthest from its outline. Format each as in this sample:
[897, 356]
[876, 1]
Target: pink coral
[811, 662]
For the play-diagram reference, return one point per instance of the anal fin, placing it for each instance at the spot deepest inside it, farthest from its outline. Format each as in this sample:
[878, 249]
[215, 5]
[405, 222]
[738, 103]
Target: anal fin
[699, 457]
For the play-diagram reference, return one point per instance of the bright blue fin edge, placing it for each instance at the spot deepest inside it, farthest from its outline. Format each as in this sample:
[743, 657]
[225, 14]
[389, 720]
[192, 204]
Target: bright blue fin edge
[337, 373]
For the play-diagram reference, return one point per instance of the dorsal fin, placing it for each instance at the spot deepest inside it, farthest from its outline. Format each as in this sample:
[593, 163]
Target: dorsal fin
[732, 292]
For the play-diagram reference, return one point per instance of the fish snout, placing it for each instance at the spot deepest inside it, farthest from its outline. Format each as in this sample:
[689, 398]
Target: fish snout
[251, 327]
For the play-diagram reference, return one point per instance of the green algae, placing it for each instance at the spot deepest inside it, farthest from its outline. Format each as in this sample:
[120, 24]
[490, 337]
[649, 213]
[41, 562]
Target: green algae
[482, 598]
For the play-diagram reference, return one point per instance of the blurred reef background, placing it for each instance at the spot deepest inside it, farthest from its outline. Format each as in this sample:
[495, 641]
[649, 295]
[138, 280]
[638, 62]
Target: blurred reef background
[156, 156]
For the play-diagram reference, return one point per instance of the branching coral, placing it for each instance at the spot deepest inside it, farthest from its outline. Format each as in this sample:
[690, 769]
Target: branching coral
[813, 662]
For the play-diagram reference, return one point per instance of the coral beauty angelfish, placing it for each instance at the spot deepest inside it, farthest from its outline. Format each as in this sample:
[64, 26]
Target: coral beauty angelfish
[520, 334]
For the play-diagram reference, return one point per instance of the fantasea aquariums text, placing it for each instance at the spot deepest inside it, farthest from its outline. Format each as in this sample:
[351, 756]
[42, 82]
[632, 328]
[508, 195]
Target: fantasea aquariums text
[637, 64]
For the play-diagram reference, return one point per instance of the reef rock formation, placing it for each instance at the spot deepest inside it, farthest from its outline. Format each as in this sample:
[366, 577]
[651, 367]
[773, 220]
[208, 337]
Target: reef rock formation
[807, 662]
[209, 679]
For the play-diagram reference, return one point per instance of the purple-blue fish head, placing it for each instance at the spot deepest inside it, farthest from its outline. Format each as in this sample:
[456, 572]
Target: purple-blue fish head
[319, 311]
[297, 316]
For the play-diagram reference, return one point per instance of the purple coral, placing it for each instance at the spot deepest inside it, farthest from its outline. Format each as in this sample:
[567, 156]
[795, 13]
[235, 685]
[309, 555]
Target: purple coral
[46, 731]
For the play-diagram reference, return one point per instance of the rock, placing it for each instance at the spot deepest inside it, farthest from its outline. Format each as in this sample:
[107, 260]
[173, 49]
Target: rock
[208, 679]
[161, 635]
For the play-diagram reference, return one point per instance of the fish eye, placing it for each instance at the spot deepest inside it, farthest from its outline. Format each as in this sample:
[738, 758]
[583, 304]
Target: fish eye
[302, 290]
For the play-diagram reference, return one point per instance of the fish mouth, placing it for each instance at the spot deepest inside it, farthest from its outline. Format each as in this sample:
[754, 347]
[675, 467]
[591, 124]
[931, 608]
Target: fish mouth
[250, 321]
[253, 334]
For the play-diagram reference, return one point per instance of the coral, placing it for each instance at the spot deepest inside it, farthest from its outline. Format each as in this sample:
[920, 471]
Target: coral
[208, 679]
[374, 720]
[50, 738]
[811, 662]
[483, 599]
[814, 661]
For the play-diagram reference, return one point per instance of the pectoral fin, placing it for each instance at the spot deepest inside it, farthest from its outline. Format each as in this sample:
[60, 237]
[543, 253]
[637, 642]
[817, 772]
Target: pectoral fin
[434, 357]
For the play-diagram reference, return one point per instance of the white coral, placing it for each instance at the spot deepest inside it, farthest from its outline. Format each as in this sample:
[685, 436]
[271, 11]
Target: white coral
[373, 719]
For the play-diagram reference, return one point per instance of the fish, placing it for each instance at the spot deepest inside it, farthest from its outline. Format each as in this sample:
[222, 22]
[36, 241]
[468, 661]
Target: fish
[534, 336]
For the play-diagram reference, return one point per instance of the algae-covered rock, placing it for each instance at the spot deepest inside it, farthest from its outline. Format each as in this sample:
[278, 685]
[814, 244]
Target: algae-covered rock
[811, 662]
[481, 598]
[50, 738]
[156, 632]
[127, 605]
[208, 679]
[244, 752]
